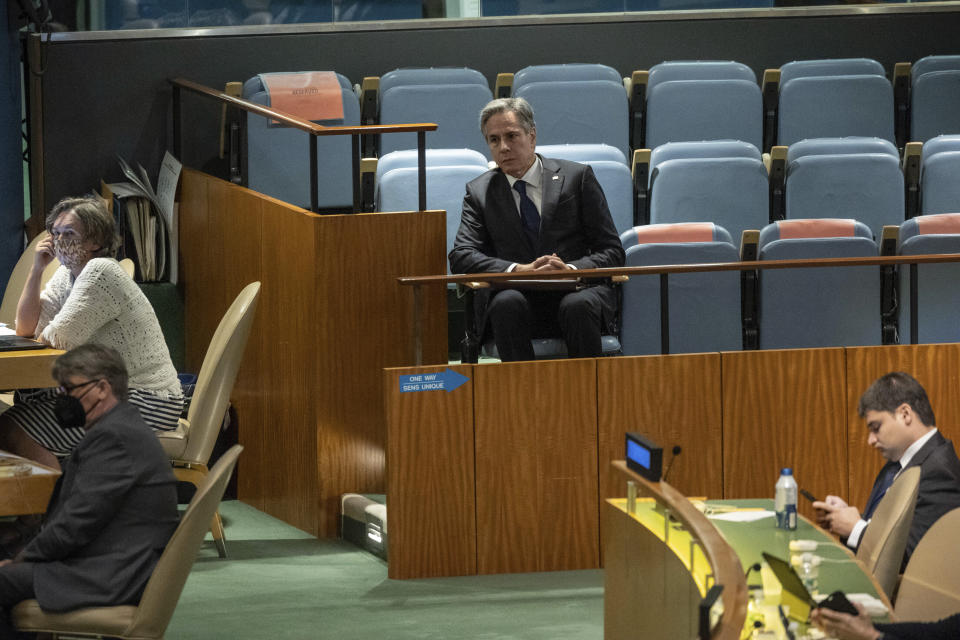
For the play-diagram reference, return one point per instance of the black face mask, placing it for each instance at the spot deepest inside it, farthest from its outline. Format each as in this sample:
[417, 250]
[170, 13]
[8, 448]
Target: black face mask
[69, 411]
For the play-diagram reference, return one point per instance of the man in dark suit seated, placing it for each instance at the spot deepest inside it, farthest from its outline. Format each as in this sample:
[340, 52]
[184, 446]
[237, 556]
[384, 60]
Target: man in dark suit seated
[113, 510]
[901, 427]
[536, 214]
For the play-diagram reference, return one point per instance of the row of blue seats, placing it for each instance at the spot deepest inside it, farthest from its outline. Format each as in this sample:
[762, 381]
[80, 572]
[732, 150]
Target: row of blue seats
[674, 101]
[724, 182]
[787, 308]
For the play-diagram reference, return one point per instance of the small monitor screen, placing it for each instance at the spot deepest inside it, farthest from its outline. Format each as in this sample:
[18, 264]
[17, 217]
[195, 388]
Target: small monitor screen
[638, 454]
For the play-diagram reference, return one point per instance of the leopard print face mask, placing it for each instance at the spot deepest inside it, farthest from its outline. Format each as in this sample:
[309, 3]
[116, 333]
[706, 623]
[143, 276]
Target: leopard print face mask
[70, 252]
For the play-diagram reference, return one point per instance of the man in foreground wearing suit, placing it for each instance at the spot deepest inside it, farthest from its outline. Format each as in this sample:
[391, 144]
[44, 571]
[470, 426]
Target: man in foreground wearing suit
[113, 509]
[536, 214]
[902, 428]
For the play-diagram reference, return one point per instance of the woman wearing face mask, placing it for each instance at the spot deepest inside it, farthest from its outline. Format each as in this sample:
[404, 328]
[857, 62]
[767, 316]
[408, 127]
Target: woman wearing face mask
[89, 299]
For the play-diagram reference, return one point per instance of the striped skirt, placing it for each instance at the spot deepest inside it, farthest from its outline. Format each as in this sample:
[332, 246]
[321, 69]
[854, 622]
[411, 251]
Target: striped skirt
[32, 411]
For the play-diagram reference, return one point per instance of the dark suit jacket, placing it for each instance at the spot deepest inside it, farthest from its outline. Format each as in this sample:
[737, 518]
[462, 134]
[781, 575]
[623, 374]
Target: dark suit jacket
[575, 224]
[939, 490]
[110, 516]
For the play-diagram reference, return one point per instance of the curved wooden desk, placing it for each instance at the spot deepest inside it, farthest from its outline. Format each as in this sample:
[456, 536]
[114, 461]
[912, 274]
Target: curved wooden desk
[658, 567]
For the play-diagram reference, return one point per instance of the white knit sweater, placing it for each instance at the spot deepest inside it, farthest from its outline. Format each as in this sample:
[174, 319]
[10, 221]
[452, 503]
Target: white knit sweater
[104, 305]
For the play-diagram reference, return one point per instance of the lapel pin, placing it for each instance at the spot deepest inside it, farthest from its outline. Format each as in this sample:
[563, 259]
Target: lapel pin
[556, 177]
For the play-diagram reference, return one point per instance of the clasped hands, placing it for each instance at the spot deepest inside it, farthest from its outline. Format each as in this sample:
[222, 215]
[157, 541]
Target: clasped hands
[836, 516]
[543, 263]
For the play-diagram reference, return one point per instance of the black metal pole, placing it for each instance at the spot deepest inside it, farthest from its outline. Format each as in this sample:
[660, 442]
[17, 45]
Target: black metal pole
[914, 306]
[422, 169]
[177, 114]
[664, 314]
[357, 193]
[314, 180]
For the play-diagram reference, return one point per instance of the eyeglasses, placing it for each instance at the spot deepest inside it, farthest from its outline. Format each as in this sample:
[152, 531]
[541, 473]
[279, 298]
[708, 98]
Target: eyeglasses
[66, 389]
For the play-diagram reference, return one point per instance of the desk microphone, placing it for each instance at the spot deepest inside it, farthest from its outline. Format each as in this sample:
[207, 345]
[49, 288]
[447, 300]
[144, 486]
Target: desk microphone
[676, 452]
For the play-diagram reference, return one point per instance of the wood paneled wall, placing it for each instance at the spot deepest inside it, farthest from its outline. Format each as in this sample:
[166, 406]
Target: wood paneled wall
[431, 478]
[739, 416]
[536, 452]
[331, 316]
[784, 409]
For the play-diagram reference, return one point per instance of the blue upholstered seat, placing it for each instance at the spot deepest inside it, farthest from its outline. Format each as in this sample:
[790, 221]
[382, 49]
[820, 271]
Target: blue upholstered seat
[934, 97]
[683, 110]
[824, 306]
[938, 297]
[397, 191]
[671, 70]
[940, 183]
[723, 182]
[864, 186]
[579, 111]
[278, 157]
[582, 152]
[834, 106]
[434, 158]
[830, 67]
[450, 97]
[569, 72]
[845, 145]
[704, 308]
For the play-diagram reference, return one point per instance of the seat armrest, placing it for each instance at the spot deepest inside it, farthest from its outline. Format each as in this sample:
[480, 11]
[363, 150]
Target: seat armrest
[640, 170]
[504, 85]
[637, 97]
[370, 112]
[778, 183]
[901, 102]
[911, 178]
[770, 88]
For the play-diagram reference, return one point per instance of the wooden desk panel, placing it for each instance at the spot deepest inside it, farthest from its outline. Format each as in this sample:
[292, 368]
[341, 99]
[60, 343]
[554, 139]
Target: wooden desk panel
[279, 376]
[372, 330]
[27, 494]
[27, 369]
[331, 317]
[937, 367]
[536, 457]
[784, 409]
[675, 400]
[431, 478]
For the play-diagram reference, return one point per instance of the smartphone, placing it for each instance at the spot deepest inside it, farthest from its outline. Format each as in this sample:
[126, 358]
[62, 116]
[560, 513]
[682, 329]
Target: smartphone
[836, 601]
[809, 496]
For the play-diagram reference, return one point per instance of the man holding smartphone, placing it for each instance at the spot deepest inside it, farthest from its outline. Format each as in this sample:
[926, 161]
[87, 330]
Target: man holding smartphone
[903, 429]
[859, 627]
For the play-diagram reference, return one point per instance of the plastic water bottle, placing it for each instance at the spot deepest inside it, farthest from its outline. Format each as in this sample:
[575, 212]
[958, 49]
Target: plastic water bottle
[785, 500]
[807, 566]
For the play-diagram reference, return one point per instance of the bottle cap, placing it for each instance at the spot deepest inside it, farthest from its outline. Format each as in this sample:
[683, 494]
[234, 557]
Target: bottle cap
[786, 471]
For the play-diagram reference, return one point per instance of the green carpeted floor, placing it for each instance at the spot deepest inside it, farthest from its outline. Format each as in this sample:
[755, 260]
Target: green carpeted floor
[279, 582]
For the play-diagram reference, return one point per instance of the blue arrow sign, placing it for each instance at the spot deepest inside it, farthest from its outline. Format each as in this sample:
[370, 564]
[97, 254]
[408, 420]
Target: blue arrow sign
[444, 381]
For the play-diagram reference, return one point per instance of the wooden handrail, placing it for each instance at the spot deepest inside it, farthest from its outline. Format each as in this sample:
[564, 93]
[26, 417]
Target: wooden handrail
[726, 566]
[613, 273]
[294, 121]
[314, 130]
[800, 263]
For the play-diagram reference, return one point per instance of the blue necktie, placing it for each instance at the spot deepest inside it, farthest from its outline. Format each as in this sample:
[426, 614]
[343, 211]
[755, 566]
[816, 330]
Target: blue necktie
[529, 215]
[884, 480]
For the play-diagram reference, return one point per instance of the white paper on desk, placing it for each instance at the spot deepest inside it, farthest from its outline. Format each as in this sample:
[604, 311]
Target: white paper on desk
[742, 516]
[6, 331]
